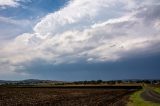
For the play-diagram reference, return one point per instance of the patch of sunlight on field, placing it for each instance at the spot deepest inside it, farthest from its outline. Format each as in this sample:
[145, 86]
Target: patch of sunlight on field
[157, 90]
[136, 100]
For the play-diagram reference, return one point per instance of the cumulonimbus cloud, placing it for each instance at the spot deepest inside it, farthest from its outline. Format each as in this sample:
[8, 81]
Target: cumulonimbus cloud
[90, 30]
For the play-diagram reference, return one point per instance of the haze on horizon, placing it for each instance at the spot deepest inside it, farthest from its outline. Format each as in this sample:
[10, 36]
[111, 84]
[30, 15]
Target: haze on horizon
[79, 39]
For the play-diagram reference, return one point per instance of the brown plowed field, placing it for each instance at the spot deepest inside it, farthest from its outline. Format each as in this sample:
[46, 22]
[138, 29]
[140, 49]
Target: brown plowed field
[62, 97]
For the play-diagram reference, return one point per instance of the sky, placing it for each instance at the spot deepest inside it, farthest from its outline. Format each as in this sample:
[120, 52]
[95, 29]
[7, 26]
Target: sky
[74, 40]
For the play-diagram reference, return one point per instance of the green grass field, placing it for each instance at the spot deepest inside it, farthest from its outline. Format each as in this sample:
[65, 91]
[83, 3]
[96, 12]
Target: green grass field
[157, 90]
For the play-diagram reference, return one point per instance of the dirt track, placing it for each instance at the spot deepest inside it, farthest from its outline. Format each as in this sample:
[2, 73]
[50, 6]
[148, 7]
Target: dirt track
[151, 95]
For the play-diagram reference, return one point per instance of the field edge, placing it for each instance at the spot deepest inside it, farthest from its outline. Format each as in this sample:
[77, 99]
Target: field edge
[136, 100]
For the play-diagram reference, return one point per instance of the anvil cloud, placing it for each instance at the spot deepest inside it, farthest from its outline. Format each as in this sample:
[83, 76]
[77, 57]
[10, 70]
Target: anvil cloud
[88, 30]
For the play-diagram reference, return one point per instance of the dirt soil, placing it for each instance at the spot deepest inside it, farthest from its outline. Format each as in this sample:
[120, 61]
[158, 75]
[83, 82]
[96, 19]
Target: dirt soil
[62, 97]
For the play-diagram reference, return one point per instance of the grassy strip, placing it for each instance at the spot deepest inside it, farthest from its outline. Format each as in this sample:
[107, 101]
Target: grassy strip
[157, 90]
[136, 100]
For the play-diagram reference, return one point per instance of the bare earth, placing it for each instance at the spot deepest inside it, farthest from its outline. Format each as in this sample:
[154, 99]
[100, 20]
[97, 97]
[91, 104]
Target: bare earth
[62, 97]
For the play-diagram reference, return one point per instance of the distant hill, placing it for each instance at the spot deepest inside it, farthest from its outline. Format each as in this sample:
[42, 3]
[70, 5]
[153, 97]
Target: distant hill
[29, 82]
[53, 82]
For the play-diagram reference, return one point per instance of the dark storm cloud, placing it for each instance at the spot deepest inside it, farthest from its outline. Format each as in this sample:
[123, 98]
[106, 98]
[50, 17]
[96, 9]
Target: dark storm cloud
[149, 13]
[142, 67]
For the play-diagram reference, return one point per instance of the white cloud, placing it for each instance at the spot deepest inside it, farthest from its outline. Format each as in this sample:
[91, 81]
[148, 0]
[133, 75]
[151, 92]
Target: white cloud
[14, 22]
[75, 13]
[12, 3]
[9, 27]
[99, 30]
